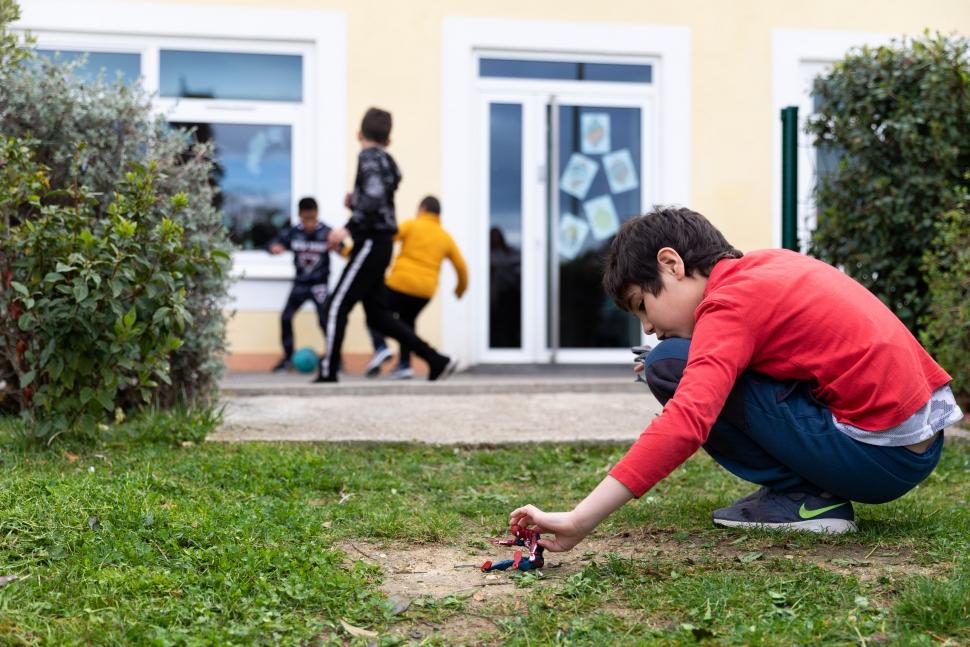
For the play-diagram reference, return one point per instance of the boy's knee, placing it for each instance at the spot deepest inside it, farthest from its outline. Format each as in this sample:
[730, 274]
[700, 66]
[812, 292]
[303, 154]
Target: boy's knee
[664, 366]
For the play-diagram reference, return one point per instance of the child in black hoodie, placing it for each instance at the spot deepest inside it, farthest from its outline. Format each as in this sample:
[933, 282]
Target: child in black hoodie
[372, 226]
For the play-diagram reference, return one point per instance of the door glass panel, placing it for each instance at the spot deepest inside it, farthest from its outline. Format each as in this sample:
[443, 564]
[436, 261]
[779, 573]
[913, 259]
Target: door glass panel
[111, 64]
[231, 75]
[600, 167]
[505, 225]
[254, 171]
[566, 70]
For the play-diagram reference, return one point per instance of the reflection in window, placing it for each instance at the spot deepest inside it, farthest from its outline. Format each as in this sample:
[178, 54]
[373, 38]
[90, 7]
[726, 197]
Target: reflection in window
[231, 75]
[505, 225]
[568, 70]
[254, 173]
[110, 64]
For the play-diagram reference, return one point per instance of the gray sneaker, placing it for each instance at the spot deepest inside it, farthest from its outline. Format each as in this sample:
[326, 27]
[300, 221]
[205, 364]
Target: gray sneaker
[788, 511]
[373, 368]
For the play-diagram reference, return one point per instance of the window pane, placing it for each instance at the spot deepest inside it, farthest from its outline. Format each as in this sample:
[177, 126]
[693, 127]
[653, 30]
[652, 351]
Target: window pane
[601, 162]
[505, 225]
[569, 70]
[110, 63]
[254, 170]
[231, 75]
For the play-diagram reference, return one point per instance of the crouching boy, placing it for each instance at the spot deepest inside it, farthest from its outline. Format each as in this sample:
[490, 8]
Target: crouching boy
[789, 373]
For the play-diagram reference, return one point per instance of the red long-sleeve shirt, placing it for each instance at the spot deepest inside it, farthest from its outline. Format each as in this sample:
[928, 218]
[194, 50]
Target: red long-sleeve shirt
[790, 317]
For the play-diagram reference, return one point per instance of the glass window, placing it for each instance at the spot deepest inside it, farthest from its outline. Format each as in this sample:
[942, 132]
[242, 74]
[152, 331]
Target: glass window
[111, 64]
[505, 225]
[254, 171]
[827, 156]
[231, 75]
[600, 160]
[568, 70]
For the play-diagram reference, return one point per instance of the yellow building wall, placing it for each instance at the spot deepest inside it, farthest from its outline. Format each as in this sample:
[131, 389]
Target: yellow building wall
[731, 88]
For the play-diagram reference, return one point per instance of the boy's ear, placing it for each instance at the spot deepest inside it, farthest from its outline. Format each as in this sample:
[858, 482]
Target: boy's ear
[670, 262]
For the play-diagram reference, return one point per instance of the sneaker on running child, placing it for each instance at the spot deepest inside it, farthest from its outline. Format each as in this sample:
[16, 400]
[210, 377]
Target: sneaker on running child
[441, 368]
[373, 368]
[401, 373]
[767, 509]
[283, 365]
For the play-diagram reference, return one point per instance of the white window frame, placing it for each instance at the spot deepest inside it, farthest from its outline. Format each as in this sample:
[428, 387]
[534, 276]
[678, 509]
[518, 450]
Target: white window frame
[798, 56]
[319, 133]
[463, 41]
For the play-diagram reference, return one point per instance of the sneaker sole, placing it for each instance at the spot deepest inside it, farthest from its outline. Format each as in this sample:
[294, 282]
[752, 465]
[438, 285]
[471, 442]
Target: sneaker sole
[828, 526]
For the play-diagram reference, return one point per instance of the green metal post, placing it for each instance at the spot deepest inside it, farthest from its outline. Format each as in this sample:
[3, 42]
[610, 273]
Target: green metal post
[789, 178]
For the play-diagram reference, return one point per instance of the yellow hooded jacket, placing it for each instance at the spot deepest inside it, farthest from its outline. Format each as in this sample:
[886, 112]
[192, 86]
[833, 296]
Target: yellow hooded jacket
[424, 245]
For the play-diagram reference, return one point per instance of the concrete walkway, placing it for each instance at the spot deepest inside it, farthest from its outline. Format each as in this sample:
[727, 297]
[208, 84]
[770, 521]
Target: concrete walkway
[467, 409]
[569, 405]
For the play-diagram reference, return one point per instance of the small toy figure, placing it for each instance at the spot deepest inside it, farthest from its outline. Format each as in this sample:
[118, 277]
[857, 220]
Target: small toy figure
[525, 537]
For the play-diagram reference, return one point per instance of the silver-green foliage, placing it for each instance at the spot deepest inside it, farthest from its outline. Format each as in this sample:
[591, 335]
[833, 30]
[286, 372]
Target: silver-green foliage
[900, 117]
[87, 138]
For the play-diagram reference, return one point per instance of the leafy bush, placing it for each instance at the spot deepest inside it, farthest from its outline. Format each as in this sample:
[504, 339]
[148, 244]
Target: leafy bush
[900, 115]
[946, 325]
[43, 102]
[92, 307]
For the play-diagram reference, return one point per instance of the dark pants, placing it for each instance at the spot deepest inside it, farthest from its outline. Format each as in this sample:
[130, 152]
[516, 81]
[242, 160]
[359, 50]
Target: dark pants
[406, 308]
[299, 295]
[777, 434]
[363, 280]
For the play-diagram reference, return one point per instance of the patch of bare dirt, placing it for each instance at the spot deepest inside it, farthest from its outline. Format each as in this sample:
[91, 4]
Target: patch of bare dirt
[414, 572]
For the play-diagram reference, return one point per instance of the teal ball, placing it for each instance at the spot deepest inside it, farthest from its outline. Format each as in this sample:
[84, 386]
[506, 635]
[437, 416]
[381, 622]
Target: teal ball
[305, 360]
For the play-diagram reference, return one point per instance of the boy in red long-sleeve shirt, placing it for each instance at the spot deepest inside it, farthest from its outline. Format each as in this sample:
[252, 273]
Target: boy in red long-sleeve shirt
[789, 373]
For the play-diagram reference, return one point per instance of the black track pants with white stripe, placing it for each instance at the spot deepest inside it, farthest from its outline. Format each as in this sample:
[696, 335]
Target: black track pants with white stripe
[363, 280]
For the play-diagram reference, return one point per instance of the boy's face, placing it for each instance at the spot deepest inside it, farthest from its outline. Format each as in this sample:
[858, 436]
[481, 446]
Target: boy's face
[308, 216]
[671, 312]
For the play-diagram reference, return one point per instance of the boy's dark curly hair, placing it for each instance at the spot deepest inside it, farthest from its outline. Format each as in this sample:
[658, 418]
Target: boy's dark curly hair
[632, 258]
[376, 126]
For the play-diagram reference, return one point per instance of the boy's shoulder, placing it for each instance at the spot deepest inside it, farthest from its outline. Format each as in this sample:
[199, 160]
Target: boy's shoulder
[785, 278]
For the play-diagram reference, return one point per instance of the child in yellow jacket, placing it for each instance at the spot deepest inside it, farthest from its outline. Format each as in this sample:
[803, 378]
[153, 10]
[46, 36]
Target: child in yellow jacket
[413, 278]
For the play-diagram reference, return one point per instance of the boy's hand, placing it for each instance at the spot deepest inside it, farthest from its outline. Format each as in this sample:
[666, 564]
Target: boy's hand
[348, 200]
[276, 248]
[562, 524]
[335, 238]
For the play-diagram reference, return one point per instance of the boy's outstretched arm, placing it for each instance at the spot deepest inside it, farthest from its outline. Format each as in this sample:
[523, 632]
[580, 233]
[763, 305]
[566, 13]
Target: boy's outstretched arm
[571, 527]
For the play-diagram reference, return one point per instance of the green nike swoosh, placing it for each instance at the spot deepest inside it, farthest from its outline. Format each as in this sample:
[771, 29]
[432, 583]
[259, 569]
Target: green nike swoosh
[805, 513]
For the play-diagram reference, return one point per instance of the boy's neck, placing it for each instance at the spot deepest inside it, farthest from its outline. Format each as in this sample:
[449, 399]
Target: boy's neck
[366, 143]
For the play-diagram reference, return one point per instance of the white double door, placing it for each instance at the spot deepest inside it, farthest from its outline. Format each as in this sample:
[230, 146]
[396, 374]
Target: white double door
[563, 164]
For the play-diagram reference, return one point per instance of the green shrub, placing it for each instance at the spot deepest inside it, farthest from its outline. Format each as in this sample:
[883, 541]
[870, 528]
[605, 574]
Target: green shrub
[900, 115]
[946, 326]
[92, 307]
[44, 102]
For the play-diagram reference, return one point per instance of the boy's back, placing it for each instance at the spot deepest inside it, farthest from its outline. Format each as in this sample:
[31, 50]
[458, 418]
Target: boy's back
[425, 244]
[802, 319]
[372, 203]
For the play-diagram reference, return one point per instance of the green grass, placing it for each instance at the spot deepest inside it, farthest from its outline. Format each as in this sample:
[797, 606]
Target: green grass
[145, 541]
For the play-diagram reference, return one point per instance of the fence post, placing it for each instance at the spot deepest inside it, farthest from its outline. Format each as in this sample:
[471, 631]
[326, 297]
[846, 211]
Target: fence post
[789, 178]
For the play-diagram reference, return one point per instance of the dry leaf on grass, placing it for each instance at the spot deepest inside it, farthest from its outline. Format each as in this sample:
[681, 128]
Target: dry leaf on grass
[357, 631]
